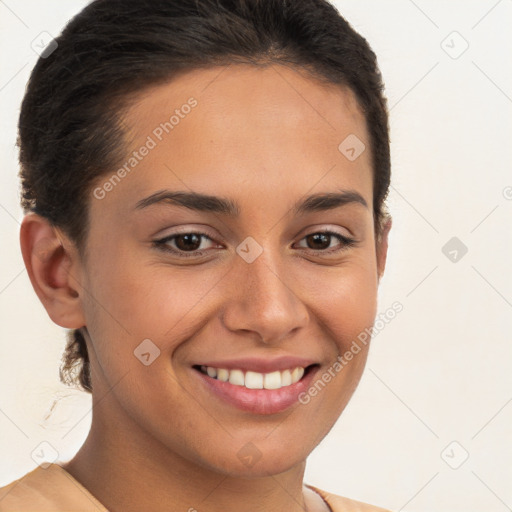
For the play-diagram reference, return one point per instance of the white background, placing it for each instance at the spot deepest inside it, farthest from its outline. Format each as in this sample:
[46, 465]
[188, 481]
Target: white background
[440, 371]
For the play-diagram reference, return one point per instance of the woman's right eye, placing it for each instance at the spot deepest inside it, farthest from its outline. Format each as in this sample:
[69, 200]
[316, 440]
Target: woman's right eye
[182, 243]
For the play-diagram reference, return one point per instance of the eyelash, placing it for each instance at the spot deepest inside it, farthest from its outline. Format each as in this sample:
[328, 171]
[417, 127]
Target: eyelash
[161, 244]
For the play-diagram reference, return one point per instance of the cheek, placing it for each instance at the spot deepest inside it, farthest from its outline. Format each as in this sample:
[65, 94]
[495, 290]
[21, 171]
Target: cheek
[345, 303]
[343, 299]
[129, 302]
[352, 308]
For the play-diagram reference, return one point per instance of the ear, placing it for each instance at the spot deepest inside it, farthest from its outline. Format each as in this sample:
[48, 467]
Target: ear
[53, 266]
[382, 246]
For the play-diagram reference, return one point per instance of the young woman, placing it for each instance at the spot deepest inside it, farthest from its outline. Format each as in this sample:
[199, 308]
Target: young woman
[204, 183]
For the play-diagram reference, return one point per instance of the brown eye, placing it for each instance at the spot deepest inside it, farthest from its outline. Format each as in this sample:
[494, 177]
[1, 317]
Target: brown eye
[185, 244]
[318, 241]
[188, 242]
[321, 242]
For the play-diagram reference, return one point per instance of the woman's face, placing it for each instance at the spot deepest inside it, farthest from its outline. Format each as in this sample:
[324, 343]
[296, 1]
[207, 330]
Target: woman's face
[258, 288]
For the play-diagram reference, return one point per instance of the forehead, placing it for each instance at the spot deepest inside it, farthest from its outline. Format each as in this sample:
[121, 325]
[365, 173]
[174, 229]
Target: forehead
[255, 130]
[274, 95]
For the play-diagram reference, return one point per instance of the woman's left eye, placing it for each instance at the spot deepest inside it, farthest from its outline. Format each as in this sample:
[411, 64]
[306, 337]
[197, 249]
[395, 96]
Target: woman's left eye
[191, 243]
[323, 239]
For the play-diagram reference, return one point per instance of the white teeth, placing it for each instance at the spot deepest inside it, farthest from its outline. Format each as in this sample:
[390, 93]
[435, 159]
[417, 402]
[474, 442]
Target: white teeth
[256, 380]
[286, 378]
[272, 380]
[297, 374]
[223, 374]
[236, 377]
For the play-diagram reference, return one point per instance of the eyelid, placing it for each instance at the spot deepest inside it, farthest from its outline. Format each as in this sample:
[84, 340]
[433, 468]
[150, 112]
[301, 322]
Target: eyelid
[345, 242]
[199, 229]
[326, 228]
[162, 243]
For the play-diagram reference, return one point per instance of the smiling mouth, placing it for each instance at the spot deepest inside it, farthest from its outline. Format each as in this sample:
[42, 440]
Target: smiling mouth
[256, 380]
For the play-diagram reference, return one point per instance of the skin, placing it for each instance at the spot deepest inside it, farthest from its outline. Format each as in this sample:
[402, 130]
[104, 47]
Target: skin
[266, 138]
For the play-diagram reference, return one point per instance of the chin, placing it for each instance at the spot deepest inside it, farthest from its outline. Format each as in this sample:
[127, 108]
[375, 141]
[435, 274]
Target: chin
[255, 460]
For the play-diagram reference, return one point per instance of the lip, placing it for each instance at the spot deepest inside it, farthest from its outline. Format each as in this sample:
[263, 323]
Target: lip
[260, 365]
[257, 401]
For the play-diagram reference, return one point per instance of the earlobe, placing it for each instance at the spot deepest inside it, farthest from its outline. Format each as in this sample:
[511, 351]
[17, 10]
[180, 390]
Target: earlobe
[382, 247]
[51, 261]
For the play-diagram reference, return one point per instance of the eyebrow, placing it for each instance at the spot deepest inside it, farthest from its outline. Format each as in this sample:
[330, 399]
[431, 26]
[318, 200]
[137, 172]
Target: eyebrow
[214, 204]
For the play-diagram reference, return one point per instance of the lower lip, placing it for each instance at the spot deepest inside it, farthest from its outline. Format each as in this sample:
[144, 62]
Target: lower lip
[258, 401]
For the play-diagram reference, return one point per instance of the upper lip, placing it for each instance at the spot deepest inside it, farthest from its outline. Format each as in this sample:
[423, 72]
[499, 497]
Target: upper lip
[259, 364]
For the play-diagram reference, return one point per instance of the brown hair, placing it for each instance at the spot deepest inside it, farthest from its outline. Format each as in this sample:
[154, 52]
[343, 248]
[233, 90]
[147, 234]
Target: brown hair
[70, 133]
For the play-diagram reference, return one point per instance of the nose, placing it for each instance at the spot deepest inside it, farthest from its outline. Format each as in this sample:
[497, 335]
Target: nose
[264, 300]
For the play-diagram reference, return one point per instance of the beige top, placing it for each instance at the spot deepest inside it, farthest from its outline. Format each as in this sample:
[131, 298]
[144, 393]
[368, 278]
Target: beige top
[54, 490]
